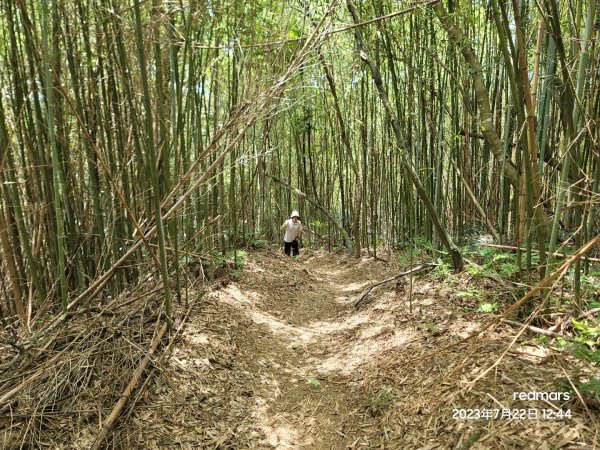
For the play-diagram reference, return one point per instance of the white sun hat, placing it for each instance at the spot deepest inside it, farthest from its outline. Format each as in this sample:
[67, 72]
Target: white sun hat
[295, 214]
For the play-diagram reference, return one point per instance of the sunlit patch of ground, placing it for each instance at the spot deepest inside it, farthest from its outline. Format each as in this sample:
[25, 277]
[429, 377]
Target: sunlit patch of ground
[280, 432]
[280, 359]
[362, 351]
[249, 302]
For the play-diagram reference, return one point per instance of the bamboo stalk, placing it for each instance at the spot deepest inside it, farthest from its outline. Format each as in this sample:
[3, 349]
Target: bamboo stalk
[532, 162]
[487, 125]
[153, 165]
[56, 172]
[482, 213]
[424, 197]
[12, 269]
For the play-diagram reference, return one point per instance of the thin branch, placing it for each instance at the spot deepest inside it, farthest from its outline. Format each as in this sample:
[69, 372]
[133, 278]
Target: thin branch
[395, 277]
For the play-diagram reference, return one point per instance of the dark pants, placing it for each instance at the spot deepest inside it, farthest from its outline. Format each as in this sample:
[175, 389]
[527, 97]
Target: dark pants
[287, 246]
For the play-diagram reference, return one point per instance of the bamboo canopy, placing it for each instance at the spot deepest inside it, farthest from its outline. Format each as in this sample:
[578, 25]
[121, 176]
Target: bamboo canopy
[145, 146]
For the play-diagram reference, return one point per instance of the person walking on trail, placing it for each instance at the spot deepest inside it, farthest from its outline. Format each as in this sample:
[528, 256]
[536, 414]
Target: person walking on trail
[293, 234]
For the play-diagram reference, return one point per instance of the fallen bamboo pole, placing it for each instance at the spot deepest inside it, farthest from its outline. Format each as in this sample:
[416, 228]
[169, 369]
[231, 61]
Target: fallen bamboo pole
[116, 411]
[395, 277]
[555, 254]
[125, 396]
[532, 328]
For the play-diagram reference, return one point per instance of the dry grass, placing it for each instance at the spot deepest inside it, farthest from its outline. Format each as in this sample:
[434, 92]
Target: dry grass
[58, 392]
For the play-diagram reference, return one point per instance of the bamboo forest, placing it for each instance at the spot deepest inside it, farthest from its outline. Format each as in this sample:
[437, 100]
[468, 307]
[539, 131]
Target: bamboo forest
[353, 224]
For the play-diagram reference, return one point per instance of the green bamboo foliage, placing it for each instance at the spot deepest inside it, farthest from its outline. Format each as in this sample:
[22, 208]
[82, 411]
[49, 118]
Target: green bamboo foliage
[111, 112]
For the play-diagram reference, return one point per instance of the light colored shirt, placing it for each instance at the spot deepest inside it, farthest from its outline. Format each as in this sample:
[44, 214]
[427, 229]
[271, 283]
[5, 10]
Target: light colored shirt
[292, 230]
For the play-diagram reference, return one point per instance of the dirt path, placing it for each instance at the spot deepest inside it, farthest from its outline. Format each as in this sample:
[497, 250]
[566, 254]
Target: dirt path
[305, 398]
[277, 358]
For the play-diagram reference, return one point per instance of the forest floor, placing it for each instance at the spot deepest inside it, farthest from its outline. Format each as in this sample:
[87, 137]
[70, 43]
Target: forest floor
[276, 356]
[279, 358]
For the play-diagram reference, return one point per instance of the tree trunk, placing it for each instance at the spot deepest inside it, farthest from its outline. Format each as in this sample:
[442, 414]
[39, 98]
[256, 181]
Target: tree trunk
[486, 124]
[346, 141]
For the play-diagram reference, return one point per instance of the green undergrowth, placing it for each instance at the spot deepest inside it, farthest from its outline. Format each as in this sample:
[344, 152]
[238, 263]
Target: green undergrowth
[258, 244]
[584, 345]
[231, 263]
[492, 263]
[489, 263]
[380, 401]
[580, 337]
